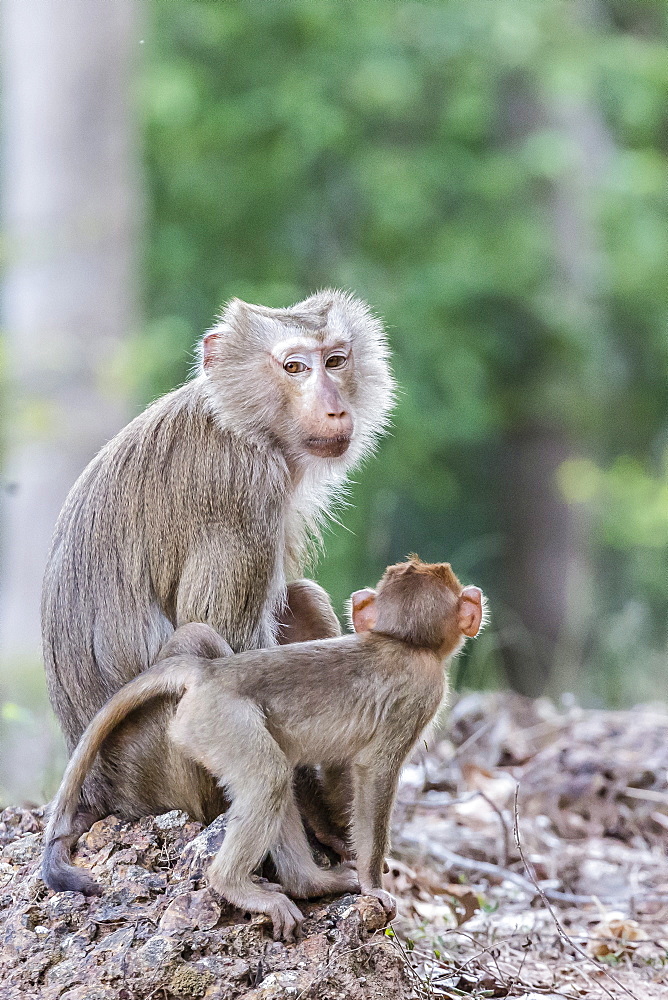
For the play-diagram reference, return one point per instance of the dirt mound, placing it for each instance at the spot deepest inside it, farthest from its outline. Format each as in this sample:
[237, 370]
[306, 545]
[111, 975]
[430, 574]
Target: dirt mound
[159, 931]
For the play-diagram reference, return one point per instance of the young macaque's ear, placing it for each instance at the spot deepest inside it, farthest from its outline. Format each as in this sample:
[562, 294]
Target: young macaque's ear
[470, 611]
[208, 348]
[363, 603]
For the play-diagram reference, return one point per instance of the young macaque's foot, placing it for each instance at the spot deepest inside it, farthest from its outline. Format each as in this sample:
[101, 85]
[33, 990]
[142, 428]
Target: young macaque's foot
[263, 897]
[386, 899]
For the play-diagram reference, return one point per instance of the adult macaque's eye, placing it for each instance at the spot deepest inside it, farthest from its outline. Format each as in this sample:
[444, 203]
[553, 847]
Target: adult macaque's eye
[336, 361]
[294, 367]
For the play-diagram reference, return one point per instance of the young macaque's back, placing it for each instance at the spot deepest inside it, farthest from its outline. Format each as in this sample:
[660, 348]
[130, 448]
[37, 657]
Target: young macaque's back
[328, 695]
[358, 703]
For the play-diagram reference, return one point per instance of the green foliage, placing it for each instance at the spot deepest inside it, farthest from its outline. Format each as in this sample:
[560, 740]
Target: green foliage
[492, 177]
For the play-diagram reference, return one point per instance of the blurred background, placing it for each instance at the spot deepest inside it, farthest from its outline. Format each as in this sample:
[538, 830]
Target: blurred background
[491, 176]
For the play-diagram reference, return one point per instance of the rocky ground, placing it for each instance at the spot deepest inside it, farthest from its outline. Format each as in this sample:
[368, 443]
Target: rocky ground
[529, 859]
[159, 931]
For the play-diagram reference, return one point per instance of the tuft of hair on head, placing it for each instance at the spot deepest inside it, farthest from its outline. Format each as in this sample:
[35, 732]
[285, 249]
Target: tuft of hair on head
[416, 567]
[417, 603]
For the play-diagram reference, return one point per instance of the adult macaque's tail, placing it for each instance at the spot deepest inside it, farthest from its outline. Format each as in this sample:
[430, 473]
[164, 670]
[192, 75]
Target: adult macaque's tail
[170, 676]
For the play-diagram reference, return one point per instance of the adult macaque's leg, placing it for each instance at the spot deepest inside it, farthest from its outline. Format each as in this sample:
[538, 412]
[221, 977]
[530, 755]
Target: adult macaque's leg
[308, 614]
[297, 871]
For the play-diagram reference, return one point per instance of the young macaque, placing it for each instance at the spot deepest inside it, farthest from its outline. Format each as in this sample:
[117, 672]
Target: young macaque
[358, 702]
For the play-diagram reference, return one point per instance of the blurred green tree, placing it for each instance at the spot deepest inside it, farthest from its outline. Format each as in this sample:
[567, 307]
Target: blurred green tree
[492, 177]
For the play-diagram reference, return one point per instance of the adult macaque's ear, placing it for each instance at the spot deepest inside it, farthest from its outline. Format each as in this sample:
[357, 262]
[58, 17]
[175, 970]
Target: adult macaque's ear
[363, 604]
[470, 611]
[208, 348]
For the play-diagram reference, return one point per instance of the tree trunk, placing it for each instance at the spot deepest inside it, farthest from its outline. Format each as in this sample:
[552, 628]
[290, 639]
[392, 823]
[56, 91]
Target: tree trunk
[69, 187]
[539, 555]
[70, 221]
[546, 554]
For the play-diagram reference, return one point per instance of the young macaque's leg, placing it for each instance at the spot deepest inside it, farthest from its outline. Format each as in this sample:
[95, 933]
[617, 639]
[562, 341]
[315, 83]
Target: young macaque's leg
[227, 736]
[374, 788]
[319, 810]
[297, 871]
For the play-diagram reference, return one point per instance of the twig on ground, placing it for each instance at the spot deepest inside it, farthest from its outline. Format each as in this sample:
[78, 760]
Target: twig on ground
[514, 980]
[422, 986]
[497, 871]
[560, 929]
[473, 738]
[504, 828]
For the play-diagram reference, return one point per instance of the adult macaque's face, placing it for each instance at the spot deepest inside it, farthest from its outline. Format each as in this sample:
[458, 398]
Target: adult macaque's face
[317, 380]
[311, 382]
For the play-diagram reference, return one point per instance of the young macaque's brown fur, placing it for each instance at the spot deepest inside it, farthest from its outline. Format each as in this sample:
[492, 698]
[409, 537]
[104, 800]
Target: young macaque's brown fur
[201, 510]
[357, 702]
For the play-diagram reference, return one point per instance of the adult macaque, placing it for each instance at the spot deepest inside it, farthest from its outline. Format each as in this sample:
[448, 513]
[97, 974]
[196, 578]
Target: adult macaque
[359, 702]
[201, 510]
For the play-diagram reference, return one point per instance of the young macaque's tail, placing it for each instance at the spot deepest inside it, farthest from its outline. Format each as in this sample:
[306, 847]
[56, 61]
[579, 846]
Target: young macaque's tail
[171, 676]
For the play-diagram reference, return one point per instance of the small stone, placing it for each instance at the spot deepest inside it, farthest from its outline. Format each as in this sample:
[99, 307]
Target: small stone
[64, 974]
[189, 911]
[372, 913]
[140, 877]
[159, 951]
[65, 905]
[171, 820]
[128, 856]
[289, 983]
[237, 970]
[199, 853]
[117, 941]
[315, 948]
[89, 993]
[102, 832]
[24, 850]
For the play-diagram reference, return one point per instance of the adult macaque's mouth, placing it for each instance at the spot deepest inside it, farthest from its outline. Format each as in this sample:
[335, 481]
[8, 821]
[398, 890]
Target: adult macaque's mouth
[328, 447]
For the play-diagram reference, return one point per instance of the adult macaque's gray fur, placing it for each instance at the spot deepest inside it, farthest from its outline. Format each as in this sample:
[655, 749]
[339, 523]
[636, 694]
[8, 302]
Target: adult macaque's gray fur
[357, 702]
[201, 510]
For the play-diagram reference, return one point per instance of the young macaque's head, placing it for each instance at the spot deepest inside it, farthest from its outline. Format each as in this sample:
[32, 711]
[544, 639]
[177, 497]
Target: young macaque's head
[423, 604]
[314, 377]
